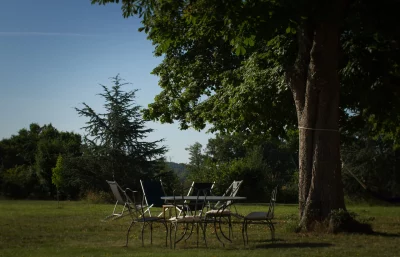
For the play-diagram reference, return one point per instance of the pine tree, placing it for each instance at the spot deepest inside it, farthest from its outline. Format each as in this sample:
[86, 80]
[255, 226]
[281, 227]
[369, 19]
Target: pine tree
[115, 139]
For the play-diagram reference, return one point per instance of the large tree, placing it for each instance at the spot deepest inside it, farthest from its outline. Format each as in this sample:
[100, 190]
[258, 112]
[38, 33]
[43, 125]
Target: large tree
[239, 64]
[117, 137]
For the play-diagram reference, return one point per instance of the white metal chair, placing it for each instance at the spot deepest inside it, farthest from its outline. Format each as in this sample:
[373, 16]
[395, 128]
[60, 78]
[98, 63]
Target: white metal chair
[122, 199]
[202, 188]
[190, 215]
[142, 215]
[261, 218]
[231, 191]
[222, 210]
[152, 191]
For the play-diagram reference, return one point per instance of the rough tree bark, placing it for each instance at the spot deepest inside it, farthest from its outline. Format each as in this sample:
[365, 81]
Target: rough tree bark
[315, 86]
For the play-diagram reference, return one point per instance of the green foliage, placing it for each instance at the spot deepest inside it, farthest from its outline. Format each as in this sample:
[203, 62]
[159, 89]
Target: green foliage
[170, 180]
[350, 219]
[83, 173]
[253, 171]
[51, 144]
[57, 173]
[28, 157]
[18, 182]
[225, 62]
[115, 139]
[196, 159]
[212, 71]
[289, 191]
[97, 197]
[370, 69]
[375, 162]
[224, 148]
[261, 163]
[291, 223]
[179, 169]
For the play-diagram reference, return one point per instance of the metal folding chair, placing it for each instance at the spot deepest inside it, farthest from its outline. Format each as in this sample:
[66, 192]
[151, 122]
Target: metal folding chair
[152, 191]
[202, 188]
[122, 199]
[261, 218]
[222, 210]
[151, 197]
[191, 215]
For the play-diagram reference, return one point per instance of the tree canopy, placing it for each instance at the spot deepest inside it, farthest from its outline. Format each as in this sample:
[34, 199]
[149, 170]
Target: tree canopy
[225, 62]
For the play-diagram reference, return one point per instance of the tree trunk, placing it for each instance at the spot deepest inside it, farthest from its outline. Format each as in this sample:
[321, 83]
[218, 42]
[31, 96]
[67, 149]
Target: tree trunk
[315, 85]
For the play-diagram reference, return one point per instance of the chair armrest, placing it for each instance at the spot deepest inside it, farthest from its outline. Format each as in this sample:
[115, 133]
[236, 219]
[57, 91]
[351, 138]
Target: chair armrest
[130, 190]
[134, 198]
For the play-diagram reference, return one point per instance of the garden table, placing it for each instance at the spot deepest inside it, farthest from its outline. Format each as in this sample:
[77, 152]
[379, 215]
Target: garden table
[211, 198]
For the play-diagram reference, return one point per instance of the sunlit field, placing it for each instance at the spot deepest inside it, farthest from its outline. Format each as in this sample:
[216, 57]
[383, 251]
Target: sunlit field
[41, 228]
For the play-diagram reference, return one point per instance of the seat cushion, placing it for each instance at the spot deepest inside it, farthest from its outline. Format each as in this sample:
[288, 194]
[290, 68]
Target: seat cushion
[224, 212]
[185, 219]
[259, 216]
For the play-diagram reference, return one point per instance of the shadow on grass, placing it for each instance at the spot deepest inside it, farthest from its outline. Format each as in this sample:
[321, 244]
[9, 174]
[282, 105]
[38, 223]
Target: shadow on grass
[384, 234]
[294, 245]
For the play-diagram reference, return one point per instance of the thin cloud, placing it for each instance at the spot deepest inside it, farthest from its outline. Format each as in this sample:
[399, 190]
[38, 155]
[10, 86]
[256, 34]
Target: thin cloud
[13, 33]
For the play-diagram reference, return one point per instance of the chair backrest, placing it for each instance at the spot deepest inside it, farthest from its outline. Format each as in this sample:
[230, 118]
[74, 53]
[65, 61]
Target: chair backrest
[272, 203]
[152, 192]
[231, 191]
[117, 190]
[192, 207]
[234, 188]
[201, 188]
[198, 189]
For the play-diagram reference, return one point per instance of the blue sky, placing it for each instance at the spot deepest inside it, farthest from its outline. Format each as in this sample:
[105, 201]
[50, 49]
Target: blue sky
[54, 55]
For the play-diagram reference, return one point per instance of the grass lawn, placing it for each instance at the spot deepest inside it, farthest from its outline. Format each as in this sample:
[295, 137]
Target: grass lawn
[40, 228]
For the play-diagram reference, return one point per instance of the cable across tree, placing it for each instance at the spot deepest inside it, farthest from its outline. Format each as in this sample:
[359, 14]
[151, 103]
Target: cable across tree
[239, 65]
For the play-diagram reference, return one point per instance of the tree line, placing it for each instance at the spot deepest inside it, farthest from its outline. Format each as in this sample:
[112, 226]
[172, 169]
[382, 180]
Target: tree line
[265, 163]
[42, 162]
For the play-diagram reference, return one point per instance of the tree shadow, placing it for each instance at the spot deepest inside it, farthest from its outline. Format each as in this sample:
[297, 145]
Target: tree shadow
[384, 234]
[293, 245]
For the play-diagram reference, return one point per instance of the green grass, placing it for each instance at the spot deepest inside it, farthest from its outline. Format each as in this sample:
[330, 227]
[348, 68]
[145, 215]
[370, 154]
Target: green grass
[39, 228]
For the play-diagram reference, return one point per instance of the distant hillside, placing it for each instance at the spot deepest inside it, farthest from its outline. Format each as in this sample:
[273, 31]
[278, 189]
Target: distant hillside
[179, 169]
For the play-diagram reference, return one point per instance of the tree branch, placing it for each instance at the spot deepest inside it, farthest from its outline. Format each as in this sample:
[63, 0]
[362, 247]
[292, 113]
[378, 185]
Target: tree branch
[297, 76]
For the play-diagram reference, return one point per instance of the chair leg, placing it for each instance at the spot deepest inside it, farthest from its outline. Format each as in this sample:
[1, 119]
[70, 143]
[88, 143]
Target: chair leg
[204, 233]
[166, 233]
[247, 235]
[197, 236]
[191, 232]
[176, 228]
[230, 227]
[244, 232]
[151, 233]
[272, 229]
[243, 224]
[215, 230]
[127, 234]
[170, 235]
[143, 226]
